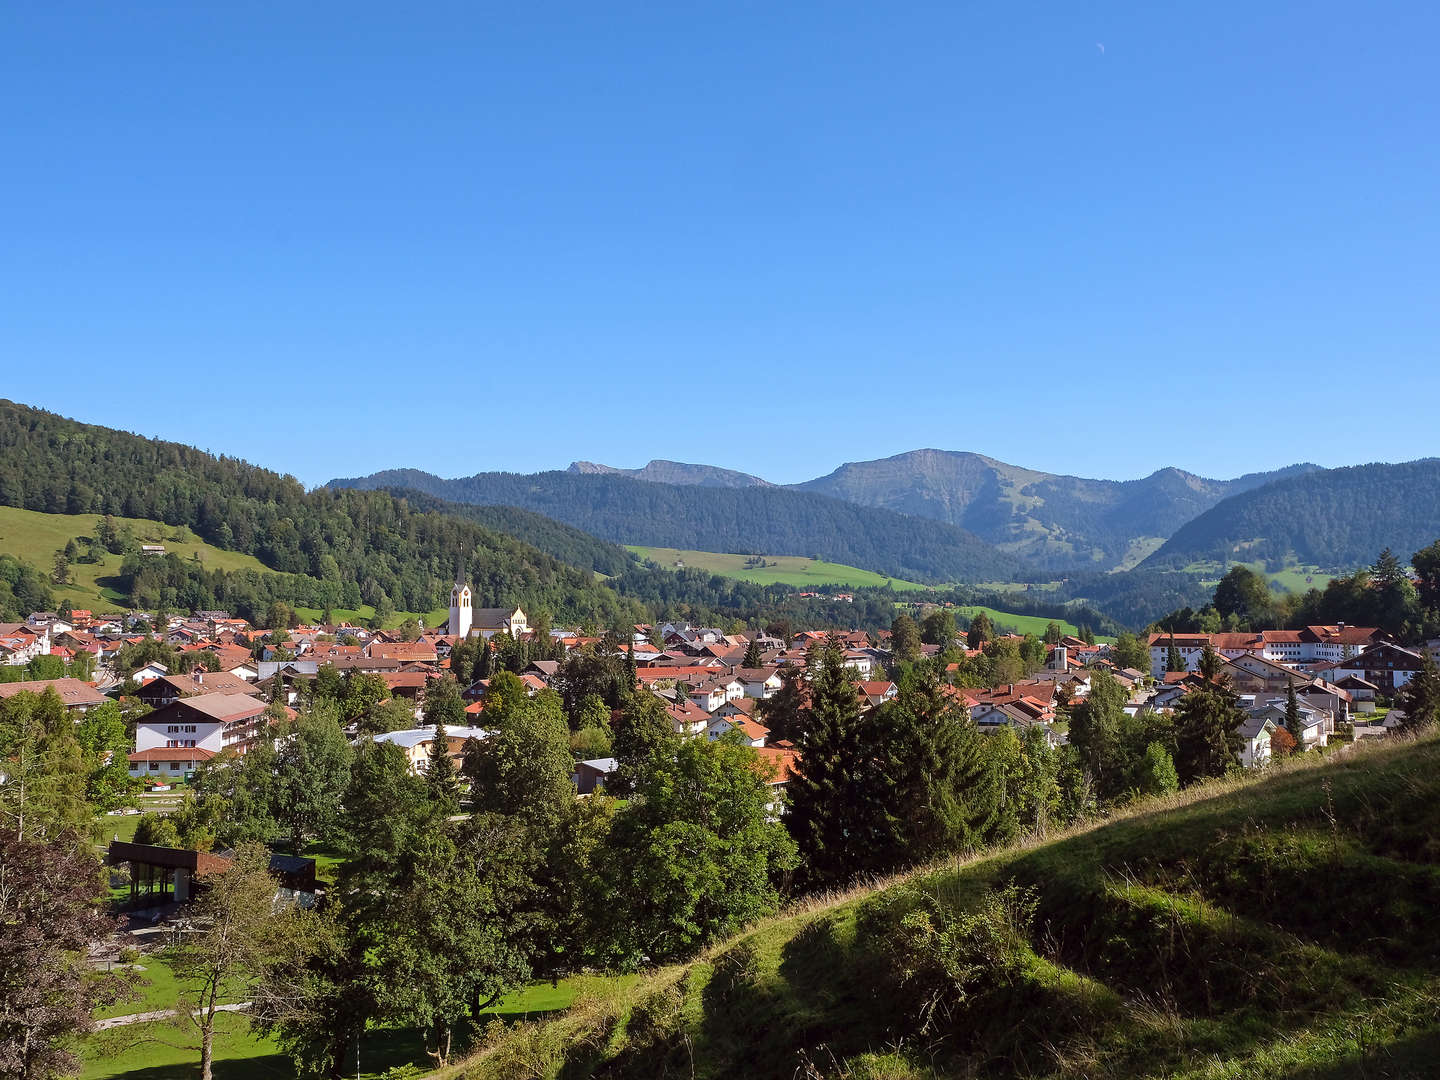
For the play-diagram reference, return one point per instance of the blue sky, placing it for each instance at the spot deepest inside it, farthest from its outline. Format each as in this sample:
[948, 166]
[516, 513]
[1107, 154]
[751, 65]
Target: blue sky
[333, 238]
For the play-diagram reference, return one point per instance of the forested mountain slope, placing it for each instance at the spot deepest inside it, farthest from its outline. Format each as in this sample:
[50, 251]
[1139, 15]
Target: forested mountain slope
[1057, 522]
[1277, 927]
[768, 520]
[1334, 518]
[564, 542]
[674, 472]
[327, 548]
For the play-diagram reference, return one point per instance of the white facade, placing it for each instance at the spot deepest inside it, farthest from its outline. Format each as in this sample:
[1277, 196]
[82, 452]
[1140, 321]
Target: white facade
[461, 612]
[179, 735]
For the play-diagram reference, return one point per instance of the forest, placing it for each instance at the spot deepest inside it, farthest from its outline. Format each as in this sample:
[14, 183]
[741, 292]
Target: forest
[328, 548]
[763, 520]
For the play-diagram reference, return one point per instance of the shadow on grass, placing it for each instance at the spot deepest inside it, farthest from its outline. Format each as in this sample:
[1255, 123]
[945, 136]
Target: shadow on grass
[1413, 1058]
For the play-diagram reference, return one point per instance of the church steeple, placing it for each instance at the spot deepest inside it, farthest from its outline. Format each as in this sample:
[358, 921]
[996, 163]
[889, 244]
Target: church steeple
[460, 610]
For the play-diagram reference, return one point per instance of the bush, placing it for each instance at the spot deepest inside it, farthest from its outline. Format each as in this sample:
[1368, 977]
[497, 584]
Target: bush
[945, 958]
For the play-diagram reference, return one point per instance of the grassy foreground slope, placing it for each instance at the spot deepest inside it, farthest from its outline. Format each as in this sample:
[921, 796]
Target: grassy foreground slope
[1280, 927]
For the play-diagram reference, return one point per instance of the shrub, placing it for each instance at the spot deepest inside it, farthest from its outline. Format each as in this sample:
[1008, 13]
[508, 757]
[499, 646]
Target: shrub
[946, 959]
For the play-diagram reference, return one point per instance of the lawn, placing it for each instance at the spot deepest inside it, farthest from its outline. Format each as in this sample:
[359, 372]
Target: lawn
[34, 538]
[793, 570]
[136, 1053]
[119, 827]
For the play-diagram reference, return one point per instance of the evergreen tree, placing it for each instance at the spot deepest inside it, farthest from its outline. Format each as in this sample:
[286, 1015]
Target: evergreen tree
[1293, 723]
[832, 828]
[1419, 699]
[1095, 726]
[981, 631]
[1174, 661]
[786, 712]
[752, 654]
[1053, 633]
[1211, 664]
[440, 774]
[1207, 733]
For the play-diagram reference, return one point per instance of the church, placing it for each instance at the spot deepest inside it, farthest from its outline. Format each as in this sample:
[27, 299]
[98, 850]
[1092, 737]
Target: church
[486, 622]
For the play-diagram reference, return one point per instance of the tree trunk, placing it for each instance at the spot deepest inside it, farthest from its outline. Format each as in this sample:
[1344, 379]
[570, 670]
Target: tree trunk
[207, 1045]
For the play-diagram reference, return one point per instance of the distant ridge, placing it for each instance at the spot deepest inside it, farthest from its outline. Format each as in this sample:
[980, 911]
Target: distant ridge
[746, 520]
[661, 471]
[1058, 522]
[1337, 519]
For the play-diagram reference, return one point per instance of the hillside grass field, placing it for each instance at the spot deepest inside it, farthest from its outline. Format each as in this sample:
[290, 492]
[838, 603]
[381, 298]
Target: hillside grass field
[1272, 927]
[34, 538]
[1293, 579]
[795, 570]
[1024, 624]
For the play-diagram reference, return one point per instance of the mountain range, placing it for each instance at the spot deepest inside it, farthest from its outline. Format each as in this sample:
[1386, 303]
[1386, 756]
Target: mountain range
[749, 520]
[1001, 516]
[1055, 522]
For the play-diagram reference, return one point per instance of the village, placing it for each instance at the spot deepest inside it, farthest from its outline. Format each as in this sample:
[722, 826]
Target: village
[710, 682]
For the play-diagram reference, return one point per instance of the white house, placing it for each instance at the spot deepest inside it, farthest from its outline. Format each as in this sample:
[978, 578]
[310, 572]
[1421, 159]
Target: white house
[753, 732]
[1316, 724]
[416, 743]
[19, 644]
[759, 683]
[206, 724]
[1256, 732]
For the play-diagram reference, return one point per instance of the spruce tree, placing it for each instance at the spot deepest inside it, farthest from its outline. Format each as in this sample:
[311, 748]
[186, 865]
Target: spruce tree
[786, 712]
[752, 654]
[1207, 733]
[831, 826]
[1293, 723]
[1173, 660]
[632, 672]
[440, 773]
[1419, 698]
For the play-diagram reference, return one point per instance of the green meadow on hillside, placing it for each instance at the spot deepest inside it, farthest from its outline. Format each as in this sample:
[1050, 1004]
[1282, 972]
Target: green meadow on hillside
[34, 538]
[1024, 624]
[1268, 927]
[793, 570]
[1294, 579]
